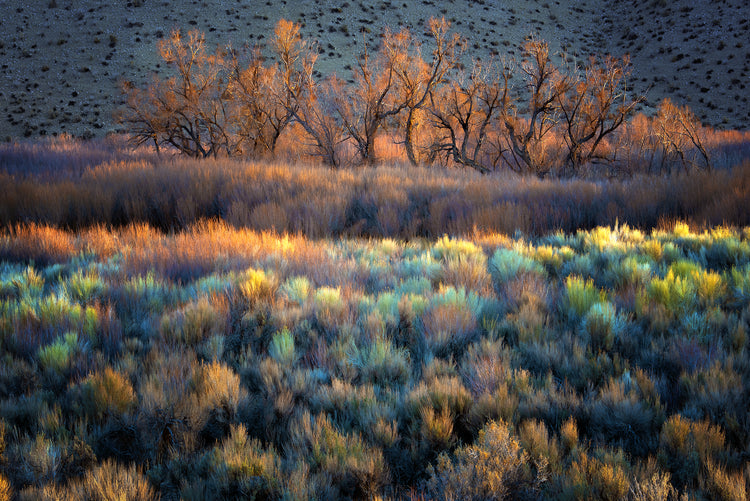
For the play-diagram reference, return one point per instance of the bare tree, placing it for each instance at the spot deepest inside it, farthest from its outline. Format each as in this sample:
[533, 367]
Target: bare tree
[262, 117]
[308, 102]
[366, 106]
[144, 115]
[192, 110]
[595, 104]
[542, 85]
[677, 132]
[465, 111]
[417, 79]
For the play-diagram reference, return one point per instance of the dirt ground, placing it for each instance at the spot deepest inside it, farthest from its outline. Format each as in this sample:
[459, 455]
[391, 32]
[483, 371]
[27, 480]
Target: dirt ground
[61, 60]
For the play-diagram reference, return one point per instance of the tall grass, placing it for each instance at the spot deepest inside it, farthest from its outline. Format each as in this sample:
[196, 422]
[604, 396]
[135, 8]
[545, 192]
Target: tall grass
[395, 201]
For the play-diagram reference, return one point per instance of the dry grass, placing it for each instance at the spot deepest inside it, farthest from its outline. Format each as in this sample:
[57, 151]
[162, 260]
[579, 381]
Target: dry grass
[314, 201]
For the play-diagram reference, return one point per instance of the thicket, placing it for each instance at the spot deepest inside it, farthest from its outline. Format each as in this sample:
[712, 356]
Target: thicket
[79, 185]
[539, 114]
[224, 363]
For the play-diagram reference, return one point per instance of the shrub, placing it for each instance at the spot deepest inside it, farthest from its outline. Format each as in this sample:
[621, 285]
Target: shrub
[85, 287]
[111, 480]
[214, 386]
[592, 478]
[603, 325]
[470, 273]
[329, 307]
[485, 367]
[57, 356]
[620, 416]
[569, 435]
[448, 248]
[282, 348]
[581, 296]
[106, 393]
[296, 290]
[494, 467]
[506, 264]
[382, 363]
[450, 320]
[353, 468]
[655, 488]
[194, 323]
[6, 490]
[28, 283]
[355, 407]
[536, 441]
[724, 486]
[685, 445]
[676, 294]
[257, 286]
[444, 394]
[240, 465]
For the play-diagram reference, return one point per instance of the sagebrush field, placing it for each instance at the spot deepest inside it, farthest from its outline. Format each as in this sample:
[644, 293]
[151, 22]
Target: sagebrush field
[228, 329]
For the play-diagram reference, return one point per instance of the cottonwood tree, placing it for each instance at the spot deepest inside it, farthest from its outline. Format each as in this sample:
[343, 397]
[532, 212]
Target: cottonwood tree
[308, 102]
[262, 117]
[529, 111]
[417, 79]
[465, 112]
[593, 103]
[365, 106]
[676, 131]
[192, 110]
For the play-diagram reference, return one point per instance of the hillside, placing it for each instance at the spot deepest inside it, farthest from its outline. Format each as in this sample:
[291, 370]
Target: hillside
[62, 60]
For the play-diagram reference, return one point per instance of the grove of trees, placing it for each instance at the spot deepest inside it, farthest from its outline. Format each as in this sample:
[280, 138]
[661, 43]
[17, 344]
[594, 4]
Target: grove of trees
[531, 115]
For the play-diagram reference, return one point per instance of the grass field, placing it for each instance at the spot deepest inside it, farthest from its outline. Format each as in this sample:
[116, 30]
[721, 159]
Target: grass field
[261, 330]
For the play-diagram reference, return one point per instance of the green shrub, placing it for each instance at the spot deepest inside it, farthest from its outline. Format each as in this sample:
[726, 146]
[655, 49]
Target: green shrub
[507, 264]
[257, 285]
[581, 296]
[676, 294]
[85, 287]
[282, 348]
[447, 248]
[382, 363]
[27, 283]
[241, 466]
[603, 325]
[329, 307]
[57, 356]
[296, 290]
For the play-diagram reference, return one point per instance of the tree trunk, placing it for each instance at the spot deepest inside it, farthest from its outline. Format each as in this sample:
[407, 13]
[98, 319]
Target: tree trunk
[409, 138]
